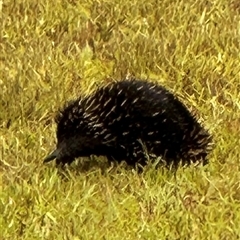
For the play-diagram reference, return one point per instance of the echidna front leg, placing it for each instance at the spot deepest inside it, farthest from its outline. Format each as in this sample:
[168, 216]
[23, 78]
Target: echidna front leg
[116, 154]
[132, 153]
[136, 154]
[116, 157]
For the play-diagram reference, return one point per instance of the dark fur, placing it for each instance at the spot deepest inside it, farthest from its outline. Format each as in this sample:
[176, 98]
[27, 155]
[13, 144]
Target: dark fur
[125, 117]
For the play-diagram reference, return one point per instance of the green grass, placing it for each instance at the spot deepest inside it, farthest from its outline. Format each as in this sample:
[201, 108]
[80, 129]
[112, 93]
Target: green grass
[52, 51]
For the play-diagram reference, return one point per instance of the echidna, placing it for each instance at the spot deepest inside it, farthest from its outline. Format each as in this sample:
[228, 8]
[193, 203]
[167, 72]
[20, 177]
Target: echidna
[130, 120]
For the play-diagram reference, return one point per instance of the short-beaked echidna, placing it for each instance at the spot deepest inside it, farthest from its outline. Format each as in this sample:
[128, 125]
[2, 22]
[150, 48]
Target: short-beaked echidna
[126, 120]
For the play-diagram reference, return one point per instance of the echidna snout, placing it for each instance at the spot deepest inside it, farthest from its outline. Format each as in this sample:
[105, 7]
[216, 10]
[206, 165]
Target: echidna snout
[53, 155]
[68, 149]
[59, 159]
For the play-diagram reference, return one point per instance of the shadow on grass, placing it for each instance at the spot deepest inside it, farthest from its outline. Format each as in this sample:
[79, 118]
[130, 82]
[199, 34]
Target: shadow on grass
[100, 165]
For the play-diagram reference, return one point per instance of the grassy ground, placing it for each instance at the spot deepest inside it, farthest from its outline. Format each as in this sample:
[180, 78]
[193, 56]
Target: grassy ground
[52, 51]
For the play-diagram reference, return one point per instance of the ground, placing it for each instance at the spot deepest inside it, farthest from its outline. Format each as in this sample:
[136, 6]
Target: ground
[53, 51]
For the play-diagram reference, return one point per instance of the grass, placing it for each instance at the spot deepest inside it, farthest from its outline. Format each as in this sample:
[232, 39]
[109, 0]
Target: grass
[52, 51]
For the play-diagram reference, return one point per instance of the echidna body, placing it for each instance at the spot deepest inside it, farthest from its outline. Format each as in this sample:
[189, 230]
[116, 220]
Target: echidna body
[126, 120]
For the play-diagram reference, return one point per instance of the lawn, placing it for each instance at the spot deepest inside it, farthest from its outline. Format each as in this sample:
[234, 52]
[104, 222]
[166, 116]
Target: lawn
[53, 51]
